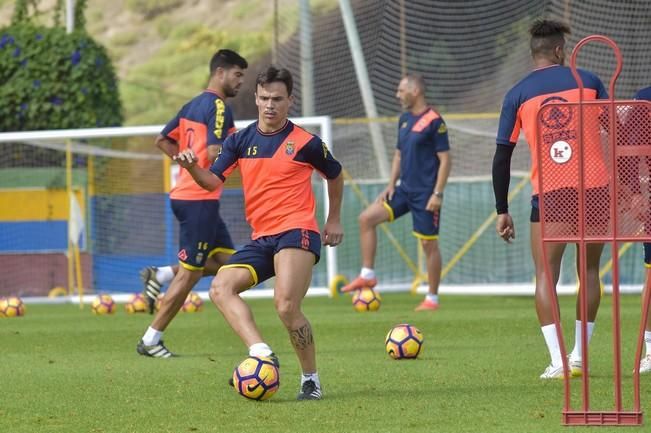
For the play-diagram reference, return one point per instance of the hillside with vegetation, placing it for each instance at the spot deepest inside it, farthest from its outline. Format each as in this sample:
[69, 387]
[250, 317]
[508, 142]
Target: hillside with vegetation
[161, 48]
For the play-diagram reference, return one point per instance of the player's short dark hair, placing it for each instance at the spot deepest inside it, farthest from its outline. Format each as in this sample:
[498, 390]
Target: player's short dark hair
[272, 75]
[416, 80]
[226, 59]
[546, 35]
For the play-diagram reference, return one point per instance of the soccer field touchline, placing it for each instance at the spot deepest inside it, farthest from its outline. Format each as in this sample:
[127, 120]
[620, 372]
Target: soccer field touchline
[445, 289]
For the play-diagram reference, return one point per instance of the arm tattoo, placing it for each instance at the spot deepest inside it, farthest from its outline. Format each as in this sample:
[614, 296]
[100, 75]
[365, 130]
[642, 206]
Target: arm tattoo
[302, 337]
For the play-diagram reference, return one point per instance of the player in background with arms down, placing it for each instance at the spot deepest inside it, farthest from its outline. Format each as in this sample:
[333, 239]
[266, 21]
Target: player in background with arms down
[205, 244]
[276, 160]
[549, 81]
[422, 163]
[645, 363]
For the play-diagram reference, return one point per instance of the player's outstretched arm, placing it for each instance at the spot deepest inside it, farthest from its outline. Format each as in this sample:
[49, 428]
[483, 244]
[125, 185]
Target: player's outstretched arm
[333, 232]
[203, 177]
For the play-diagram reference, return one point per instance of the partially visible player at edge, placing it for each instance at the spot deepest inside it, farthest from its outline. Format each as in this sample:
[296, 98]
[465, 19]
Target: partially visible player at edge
[549, 81]
[276, 159]
[422, 162]
[204, 242]
[645, 363]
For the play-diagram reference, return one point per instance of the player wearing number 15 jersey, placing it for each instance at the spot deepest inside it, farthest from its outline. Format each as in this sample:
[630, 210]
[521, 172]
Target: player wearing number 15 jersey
[276, 159]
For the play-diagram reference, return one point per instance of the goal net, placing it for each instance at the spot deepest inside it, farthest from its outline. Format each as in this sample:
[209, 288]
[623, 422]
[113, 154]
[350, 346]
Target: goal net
[120, 183]
[470, 54]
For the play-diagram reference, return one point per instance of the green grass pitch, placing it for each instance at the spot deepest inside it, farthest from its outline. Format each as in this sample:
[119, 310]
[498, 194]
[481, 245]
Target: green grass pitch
[65, 370]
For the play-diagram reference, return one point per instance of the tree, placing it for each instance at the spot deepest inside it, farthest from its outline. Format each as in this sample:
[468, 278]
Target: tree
[53, 80]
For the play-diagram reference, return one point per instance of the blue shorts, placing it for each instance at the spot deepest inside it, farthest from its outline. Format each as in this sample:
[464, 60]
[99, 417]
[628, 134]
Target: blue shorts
[426, 223]
[202, 233]
[562, 206]
[647, 254]
[258, 255]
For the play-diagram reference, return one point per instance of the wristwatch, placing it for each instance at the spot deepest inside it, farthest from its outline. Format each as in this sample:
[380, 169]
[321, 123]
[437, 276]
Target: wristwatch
[438, 194]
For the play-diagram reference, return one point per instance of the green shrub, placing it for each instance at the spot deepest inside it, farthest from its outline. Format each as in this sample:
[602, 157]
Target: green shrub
[53, 80]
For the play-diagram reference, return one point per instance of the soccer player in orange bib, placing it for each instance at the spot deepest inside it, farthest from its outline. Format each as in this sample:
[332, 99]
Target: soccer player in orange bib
[550, 81]
[276, 159]
[422, 163]
[205, 244]
[645, 363]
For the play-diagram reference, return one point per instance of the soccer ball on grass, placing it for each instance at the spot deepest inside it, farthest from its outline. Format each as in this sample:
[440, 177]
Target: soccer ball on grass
[193, 303]
[136, 304]
[256, 378]
[366, 299]
[103, 304]
[404, 341]
[12, 307]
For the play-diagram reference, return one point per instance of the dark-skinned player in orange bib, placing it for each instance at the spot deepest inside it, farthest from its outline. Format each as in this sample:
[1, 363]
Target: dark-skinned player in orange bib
[276, 160]
[638, 201]
[551, 81]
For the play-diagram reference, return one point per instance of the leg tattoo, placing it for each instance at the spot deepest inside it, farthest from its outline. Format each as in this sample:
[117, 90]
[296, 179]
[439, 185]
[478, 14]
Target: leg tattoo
[302, 337]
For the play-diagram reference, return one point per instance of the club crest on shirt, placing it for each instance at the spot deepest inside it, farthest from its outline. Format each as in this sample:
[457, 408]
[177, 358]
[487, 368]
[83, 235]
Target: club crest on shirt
[289, 148]
[403, 125]
[183, 255]
[558, 116]
[199, 257]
